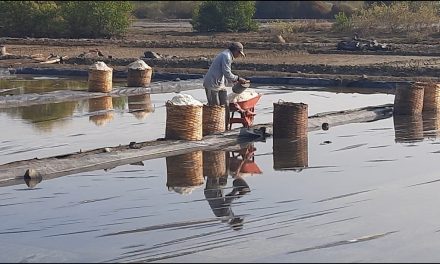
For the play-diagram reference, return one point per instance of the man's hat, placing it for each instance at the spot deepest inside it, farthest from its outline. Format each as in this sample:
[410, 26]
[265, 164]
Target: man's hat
[237, 46]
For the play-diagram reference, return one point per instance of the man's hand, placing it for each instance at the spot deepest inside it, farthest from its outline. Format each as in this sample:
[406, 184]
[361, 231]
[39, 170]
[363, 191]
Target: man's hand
[242, 80]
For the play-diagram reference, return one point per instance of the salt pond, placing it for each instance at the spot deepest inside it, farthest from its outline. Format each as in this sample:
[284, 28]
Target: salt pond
[367, 192]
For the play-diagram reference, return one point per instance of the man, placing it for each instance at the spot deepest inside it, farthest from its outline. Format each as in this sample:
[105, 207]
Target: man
[220, 71]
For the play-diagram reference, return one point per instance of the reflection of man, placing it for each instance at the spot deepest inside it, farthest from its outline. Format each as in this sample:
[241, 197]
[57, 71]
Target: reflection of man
[220, 70]
[221, 205]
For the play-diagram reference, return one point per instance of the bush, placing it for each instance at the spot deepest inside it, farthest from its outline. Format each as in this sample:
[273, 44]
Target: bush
[58, 18]
[93, 19]
[164, 9]
[399, 17]
[30, 19]
[346, 8]
[224, 16]
[342, 23]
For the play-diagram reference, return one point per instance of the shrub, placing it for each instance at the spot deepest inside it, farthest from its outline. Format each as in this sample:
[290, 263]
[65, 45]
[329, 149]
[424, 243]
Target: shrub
[59, 18]
[224, 16]
[347, 8]
[96, 18]
[164, 9]
[30, 19]
[398, 17]
[342, 23]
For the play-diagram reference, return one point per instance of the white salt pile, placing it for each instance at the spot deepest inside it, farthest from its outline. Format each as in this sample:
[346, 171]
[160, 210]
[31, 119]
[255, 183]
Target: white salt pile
[101, 66]
[139, 65]
[244, 96]
[185, 99]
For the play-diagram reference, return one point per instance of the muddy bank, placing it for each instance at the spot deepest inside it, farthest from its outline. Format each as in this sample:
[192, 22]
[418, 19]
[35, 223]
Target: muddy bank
[327, 47]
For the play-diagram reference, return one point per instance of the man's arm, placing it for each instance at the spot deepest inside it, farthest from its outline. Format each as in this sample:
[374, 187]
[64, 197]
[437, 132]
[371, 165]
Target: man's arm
[226, 69]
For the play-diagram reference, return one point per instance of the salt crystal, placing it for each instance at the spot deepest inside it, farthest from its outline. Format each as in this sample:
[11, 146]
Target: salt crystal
[244, 96]
[101, 66]
[139, 65]
[185, 99]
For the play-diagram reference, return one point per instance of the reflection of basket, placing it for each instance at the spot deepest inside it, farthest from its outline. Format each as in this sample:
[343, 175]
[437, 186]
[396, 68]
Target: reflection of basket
[184, 122]
[140, 105]
[101, 104]
[408, 128]
[431, 98]
[213, 119]
[290, 120]
[431, 125]
[100, 80]
[214, 163]
[409, 100]
[185, 170]
[139, 78]
[290, 154]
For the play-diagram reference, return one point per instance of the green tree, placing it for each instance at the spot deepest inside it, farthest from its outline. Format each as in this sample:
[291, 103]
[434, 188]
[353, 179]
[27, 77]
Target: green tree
[30, 19]
[96, 18]
[224, 16]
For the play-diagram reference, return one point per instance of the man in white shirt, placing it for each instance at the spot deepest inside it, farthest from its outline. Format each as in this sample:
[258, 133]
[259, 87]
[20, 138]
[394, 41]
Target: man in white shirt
[220, 71]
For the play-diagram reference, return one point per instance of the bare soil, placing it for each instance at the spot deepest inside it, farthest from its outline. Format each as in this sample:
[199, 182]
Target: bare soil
[175, 40]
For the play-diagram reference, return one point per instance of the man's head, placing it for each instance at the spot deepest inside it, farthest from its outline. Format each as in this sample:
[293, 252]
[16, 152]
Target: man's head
[237, 49]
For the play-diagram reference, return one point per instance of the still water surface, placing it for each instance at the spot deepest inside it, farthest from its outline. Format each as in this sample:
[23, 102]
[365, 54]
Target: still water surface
[362, 192]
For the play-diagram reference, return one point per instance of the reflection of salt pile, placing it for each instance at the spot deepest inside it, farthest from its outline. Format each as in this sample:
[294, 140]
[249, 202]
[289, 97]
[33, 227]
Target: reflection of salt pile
[185, 172]
[244, 96]
[99, 105]
[185, 99]
[140, 105]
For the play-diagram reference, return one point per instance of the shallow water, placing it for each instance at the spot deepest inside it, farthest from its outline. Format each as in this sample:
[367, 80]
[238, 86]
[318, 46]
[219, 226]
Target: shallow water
[362, 192]
[60, 128]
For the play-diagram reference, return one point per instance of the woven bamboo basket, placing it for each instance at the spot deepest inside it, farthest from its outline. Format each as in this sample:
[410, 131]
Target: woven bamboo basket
[184, 122]
[139, 78]
[140, 105]
[408, 128]
[408, 100]
[290, 154]
[100, 80]
[431, 125]
[431, 97]
[101, 104]
[185, 170]
[290, 120]
[213, 119]
[214, 164]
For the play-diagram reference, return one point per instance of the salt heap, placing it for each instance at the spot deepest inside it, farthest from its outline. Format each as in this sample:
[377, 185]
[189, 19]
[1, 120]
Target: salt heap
[185, 99]
[139, 65]
[100, 65]
[244, 96]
